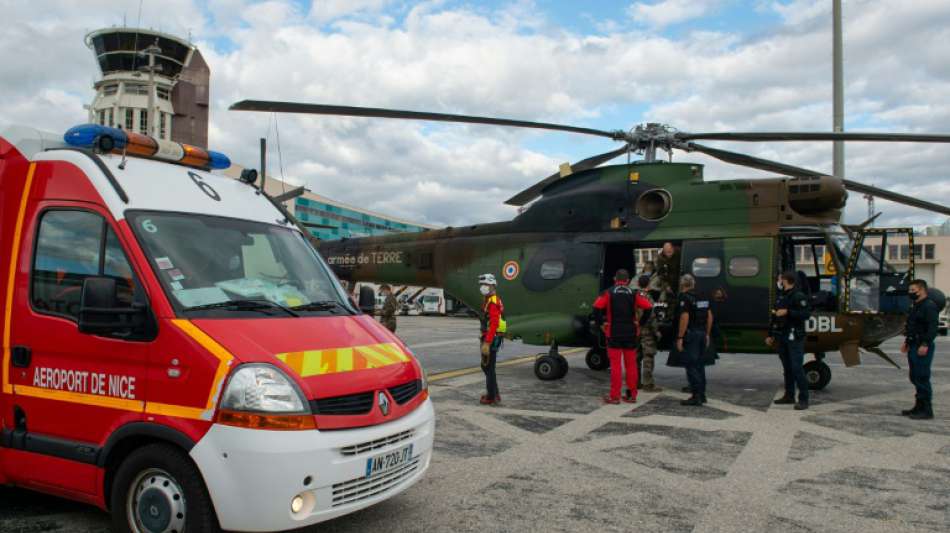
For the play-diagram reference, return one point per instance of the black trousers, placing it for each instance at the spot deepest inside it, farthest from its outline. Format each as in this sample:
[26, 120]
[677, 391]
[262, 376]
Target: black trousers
[488, 367]
[792, 354]
[693, 346]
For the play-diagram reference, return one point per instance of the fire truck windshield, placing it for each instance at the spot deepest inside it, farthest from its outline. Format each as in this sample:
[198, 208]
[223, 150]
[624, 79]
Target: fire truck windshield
[215, 266]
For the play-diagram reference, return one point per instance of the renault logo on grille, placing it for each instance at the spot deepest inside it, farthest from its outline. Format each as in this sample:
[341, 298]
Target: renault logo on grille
[383, 404]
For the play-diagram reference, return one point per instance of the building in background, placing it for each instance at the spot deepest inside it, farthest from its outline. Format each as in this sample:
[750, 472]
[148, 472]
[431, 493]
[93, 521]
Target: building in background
[152, 83]
[330, 220]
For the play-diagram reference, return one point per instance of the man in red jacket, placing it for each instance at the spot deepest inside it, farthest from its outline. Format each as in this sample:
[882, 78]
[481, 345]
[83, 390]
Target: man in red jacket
[618, 306]
[492, 311]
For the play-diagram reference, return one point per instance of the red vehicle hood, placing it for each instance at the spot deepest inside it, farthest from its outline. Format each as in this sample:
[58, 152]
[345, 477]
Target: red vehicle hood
[329, 356]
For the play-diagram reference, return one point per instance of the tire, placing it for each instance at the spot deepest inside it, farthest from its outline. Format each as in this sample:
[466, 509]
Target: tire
[563, 367]
[818, 374]
[597, 360]
[162, 479]
[546, 368]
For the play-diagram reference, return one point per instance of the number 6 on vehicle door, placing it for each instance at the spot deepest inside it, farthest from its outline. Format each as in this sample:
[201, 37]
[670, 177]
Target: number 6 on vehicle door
[388, 461]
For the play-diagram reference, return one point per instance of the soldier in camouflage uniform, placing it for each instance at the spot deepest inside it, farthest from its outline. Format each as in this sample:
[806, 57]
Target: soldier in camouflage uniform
[648, 339]
[390, 308]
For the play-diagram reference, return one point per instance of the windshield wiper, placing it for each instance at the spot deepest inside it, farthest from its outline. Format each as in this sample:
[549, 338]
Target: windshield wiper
[324, 305]
[245, 305]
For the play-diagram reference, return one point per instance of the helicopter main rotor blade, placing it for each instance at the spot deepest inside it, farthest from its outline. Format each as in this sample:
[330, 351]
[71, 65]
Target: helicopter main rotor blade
[751, 161]
[534, 191]
[885, 194]
[817, 136]
[790, 170]
[350, 111]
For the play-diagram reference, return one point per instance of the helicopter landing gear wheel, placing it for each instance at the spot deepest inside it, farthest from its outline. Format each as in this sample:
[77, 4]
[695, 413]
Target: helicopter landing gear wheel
[551, 366]
[547, 368]
[818, 374]
[597, 359]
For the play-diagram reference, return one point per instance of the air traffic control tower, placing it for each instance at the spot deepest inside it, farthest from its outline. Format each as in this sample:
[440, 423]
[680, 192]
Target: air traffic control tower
[152, 83]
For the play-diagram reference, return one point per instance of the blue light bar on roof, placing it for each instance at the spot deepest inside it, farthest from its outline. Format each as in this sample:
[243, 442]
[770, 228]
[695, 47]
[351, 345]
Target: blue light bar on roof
[126, 142]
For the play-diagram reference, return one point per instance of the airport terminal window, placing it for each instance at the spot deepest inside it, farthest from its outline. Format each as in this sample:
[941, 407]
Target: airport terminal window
[928, 251]
[143, 121]
[744, 267]
[70, 248]
[129, 117]
[552, 270]
[707, 267]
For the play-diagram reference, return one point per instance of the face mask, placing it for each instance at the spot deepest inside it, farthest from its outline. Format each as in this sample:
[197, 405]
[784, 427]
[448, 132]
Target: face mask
[780, 286]
[485, 290]
[912, 296]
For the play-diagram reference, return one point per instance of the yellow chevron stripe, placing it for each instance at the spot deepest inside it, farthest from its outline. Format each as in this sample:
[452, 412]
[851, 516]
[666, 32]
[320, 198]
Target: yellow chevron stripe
[345, 359]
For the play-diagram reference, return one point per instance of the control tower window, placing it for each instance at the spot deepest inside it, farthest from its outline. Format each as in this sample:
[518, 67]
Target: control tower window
[161, 125]
[129, 114]
[109, 90]
[109, 118]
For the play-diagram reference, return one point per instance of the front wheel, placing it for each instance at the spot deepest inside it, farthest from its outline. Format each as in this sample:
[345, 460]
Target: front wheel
[157, 489]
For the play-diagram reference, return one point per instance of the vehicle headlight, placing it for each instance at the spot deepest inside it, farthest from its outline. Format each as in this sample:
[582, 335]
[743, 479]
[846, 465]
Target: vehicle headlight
[262, 388]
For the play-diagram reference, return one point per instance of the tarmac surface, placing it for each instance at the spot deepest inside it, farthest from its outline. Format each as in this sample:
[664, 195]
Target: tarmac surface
[553, 458]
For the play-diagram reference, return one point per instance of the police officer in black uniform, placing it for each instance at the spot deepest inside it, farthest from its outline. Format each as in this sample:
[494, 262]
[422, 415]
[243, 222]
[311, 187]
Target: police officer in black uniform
[787, 334]
[921, 330]
[693, 324]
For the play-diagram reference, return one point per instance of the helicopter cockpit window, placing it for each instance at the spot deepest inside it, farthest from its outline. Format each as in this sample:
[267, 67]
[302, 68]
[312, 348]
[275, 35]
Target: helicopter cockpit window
[744, 267]
[707, 267]
[552, 270]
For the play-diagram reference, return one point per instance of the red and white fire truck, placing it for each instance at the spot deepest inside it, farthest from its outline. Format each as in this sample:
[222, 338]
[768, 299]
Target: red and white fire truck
[176, 352]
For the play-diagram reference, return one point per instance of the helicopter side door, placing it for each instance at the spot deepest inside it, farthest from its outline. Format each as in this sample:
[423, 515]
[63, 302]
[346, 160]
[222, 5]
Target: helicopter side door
[872, 284]
[735, 274]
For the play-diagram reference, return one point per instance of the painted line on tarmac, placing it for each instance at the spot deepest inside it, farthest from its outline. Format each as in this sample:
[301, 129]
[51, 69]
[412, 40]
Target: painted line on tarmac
[448, 374]
[473, 342]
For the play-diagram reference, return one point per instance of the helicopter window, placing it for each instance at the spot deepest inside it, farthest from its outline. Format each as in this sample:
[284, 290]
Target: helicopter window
[707, 267]
[552, 270]
[744, 267]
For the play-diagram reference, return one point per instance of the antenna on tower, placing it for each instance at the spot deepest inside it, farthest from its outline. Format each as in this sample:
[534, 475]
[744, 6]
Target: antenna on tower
[870, 199]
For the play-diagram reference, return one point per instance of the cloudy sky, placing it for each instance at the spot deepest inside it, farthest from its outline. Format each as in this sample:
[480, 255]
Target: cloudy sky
[699, 65]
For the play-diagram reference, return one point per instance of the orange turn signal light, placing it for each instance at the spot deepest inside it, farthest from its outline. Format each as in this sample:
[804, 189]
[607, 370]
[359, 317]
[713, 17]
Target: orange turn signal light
[266, 421]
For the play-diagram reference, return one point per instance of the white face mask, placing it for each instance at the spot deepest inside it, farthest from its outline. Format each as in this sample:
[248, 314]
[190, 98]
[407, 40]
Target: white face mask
[780, 286]
[485, 290]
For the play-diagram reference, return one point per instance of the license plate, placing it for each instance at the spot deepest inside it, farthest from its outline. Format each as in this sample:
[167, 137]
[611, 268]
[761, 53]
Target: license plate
[388, 461]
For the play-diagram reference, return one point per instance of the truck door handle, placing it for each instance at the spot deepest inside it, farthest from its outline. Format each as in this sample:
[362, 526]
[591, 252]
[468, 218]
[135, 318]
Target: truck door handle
[21, 356]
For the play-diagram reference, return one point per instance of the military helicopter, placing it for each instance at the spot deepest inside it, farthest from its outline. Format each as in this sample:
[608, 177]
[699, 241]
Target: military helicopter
[586, 221]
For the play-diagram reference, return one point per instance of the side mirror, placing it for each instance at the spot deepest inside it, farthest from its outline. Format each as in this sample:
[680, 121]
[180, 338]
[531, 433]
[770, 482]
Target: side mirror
[100, 313]
[367, 300]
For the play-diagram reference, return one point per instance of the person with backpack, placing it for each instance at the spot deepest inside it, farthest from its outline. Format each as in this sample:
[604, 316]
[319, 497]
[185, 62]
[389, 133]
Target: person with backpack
[921, 331]
[787, 335]
[618, 306]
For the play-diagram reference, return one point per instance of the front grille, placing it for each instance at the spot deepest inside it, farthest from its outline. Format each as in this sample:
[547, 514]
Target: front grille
[405, 392]
[369, 446]
[362, 488]
[353, 404]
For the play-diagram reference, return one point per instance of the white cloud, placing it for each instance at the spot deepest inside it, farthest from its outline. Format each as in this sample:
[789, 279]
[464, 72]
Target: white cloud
[480, 61]
[662, 13]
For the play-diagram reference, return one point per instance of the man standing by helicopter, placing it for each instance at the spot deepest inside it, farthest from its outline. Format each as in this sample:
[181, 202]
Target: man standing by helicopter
[921, 330]
[493, 325]
[694, 322]
[619, 305]
[787, 334]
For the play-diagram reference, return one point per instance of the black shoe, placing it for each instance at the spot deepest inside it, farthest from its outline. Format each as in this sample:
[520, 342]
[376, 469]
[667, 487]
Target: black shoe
[801, 406]
[926, 412]
[784, 400]
[703, 398]
[692, 400]
[687, 389]
[913, 410]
